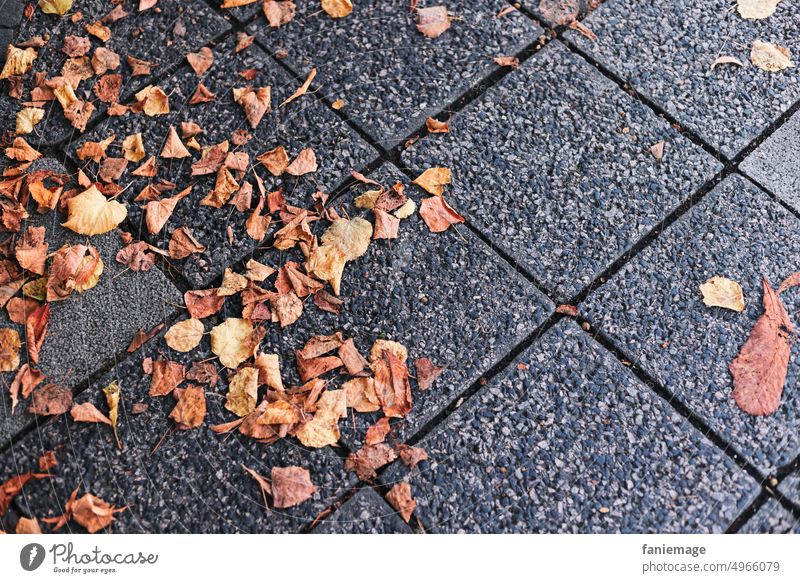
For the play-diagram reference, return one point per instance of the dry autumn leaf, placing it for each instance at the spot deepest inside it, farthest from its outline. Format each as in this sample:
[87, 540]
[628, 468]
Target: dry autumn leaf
[427, 372]
[190, 410]
[9, 349]
[18, 61]
[438, 215]
[166, 376]
[757, 9]
[401, 500]
[233, 341]
[153, 101]
[305, 163]
[278, 12]
[113, 392]
[90, 213]
[723, 292]
[59, 7]
[433, 21]
[323, 429]
[726, 60]
[350, 236]
[185, 335]
[255, 103]
[337, 8]
[559, 12]
[769, 57]
[88, 413]
[74, 268]
[27, 118]
[302, 89]
[242, 392]
[392, 386]
[50, 399]
[201, 61]
[93, 513]
[291, 486]
[759, 370]
[133, 148]
[433, 180]
[434, 126]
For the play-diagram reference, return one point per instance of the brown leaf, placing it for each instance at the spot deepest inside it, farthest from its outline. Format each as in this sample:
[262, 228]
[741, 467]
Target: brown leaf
[104, 60]
[323, 429]
[202, 95]
[137, 256]
[255, 103]
[303, 89]
[369, 458]
[724, 293]
[24, 382]
[432, 21]
[201, 61]
[242, 392]
[202, 303]
[190, 411]
[438, 215]
[167, 375]
[411, 456]
[435, 126]
[328, 302]
[13, 486]
[224, 187]
[74, 268]
[31, 250]
[759, 370]
[427, 372]
[173, 147]
[88, 413]
[770, 57]
[276, 160]
[305, 163]
[400, 499]
[377, 432]
[50, 400]
[107, 88]
[140, 337]
[391, 385]
[9, 349]
[21, 151]
[90, 213]
[386, 225]
[233, 341]
[263, 483]
[278, 13]
[93, 513]
[182, 244]
[35, 331]
[433, 180]
[507, 61]
[269, 371]
[112, 168]
[790, 282]
[158, 212]
[203, 372]
[291, 486]
[287, 307]
[152, 100]
[185, 335]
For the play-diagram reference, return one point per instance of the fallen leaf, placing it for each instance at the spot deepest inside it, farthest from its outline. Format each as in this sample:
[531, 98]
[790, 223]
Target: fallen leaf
[93, 513]
[438, 215]
[242, 391]
[255, 103]
[269, 371]
[350, 236]
[203, 372]
[726, 60]
[90, 213]
[337, 8]
[182, 244]
[113, 392]
[305, 163]
[59, 7]
[306, 84]
[401, 500]
[185, 335]
[769, 57]
[133, 148]
[276, 160]
[368, 459]
[47, 460]
[153, 100]
[140, 337]
[759, 370]
[411, 456]
[657, 150]
[158, 212]
[361, 395]
[233, 341]
[559, 12]
[432, 21]
[723, 292]
[21, 151]
[173, 146]
[433, 180]
[278, 13]
[435, 126]
[203, 303]
[291, 486]
[507, 61]
[27, 118]
[24, 382]
[74, 268]
[137, 256]
[190, 410]
[28, 526]
[31, 250]
[88, 413]
[391, 385]
[200, 61]
[13, 486]
[583, 30]
[427, 372]
[18, 61]
[166, 376]
[377, 432]
[757, 9]
[323, 429]
[263, 483]
[9, 349]
[380, 345]
[50, 399]
[35, 331]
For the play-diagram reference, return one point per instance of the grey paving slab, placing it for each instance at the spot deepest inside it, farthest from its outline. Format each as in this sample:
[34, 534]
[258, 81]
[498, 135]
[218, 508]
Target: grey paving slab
[10, 13]
[553, 165]
[6, 36]
[364, 513]
[155, 36]
[790, 487]
[567, 440]
[87, 331]
[193, 482]
[445, 296]
[772, 518]
[389, 75]
[775, 164]
[665, 51]
[304, 123]
[653, 309]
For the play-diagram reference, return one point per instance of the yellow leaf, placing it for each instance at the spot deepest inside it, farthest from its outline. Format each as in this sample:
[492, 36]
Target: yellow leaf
[90, 213]
[113, 393]
[350, 236]
[243, 392]
[337, 8]
[757, 9]
[133, 148]
[27, 118]
[433, 180]
[770, 57]
[185, 335]
[59, 7]
[269, 368]
[9, 349]
[232, 341]
[323, 429]
[18, 61]
[327, 263]
[724, 293]
[155, 100]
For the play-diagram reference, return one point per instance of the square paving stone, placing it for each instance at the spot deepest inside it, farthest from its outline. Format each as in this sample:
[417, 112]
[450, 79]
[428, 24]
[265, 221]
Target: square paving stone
[151, 35]
[173, 481]
[553, 165]
[665, 51]
[775, 164]
[790, 487]
[389, 75]
[444, 296]
[304, 123]
[89, 330]
[567, 440]
[364, 513]
[10, 14]
[653, 310]
[772, 518]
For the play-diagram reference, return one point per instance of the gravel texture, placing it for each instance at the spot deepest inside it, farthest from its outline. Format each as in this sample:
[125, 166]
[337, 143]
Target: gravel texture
[790, 487]
[389, 75]
[772, 518]
[174, 481]
[364, 513]
[89, 331]
[567, 440]
[775, 164]
[653, 309]
[150, 35]
[665, 51]
[10, 14]
[304, 123]
[553, 165]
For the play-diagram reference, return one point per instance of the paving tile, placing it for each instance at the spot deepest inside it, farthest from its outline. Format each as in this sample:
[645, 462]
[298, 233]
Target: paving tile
[772, 518]
[88, 330]
[193, 482]
[669, 58]
[148, 35]
[790, 487]
[553, 165]
[572, 442]
[301, 124]
[445, 296]
[653, 309]
[775, 164]
[10, 13]
[389, 75]
[364, 513]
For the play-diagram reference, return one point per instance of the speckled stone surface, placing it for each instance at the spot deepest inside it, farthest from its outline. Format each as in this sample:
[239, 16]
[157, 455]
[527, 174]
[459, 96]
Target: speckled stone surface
[192, 482]
[304, 123]
[772, 518]
[445, 296]
[88, 331]
[364, 513]
[567, 440]
[10, 15]
[389, 75]
[775, 164]
[163, 37]
[665, 51]
[553, 165]
[790, 487]
[654, 310]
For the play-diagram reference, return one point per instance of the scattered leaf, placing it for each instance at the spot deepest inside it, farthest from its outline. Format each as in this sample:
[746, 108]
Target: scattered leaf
[433, 21]
[291, 486]
[90, 213]
[401, 500]
[723, 292]
[185, 335]
[769, 57]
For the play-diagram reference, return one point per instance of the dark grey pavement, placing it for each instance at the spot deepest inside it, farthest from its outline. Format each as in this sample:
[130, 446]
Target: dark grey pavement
[619, 419]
